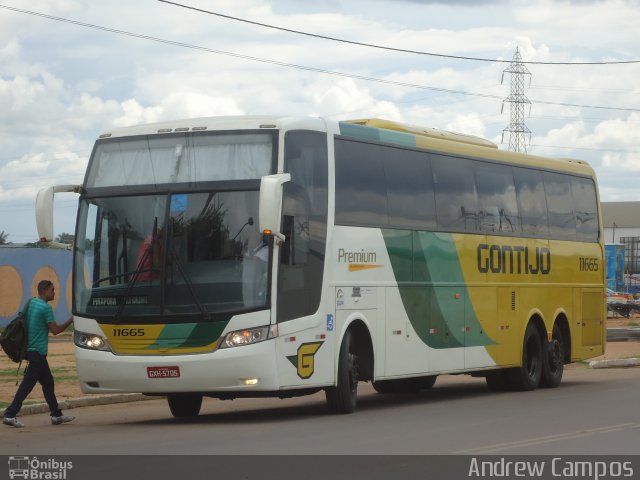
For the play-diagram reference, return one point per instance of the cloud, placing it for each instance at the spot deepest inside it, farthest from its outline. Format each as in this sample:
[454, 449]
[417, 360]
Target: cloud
[61, 85]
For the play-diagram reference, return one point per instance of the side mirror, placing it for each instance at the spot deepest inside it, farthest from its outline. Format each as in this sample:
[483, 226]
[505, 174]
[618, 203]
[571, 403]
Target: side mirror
[271, 191]
[44, 211]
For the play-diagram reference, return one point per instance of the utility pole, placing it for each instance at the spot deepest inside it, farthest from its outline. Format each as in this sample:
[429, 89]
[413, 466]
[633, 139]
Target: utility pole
[518, 131]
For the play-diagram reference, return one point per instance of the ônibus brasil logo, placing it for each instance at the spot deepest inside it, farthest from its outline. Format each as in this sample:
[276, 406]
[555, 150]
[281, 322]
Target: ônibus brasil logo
[37, 469]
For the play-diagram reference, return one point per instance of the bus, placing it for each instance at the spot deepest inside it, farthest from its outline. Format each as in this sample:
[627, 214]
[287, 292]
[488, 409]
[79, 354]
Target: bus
[234, 257]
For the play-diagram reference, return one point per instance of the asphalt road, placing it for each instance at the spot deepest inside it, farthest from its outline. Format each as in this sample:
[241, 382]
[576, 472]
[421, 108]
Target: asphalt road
[592, 412]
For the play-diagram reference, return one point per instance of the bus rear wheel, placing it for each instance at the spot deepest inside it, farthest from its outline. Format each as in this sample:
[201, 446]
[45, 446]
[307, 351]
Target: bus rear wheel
[183, 405]
[553, 360]
[343, 397]
[527, 377]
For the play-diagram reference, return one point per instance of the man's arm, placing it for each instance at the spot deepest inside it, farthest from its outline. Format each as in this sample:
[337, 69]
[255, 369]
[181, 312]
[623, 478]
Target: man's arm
[57, 328]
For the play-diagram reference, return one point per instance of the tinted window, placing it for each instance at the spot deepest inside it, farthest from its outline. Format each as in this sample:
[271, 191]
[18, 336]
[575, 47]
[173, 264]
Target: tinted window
[586, 208]
[409, 188]
[532, 203]
[360, 184]
[497, 198]
[562, 221]
[454, 184]
[304, 224]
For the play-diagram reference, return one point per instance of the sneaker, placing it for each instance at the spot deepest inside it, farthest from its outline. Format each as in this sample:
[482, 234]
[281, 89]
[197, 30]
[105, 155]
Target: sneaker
[62, 419]
[12, 422]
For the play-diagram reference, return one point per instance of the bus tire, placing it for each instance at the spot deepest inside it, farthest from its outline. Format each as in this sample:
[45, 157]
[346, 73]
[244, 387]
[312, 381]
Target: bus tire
[184, 405]
[527, 377]
[342, 398]
[553, 359]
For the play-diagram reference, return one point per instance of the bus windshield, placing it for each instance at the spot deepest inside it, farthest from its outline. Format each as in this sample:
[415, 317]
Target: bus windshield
[178, 254]
[166, 226]
[180, 158]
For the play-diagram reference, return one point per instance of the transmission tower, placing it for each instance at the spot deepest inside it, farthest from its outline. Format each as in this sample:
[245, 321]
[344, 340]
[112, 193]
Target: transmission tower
[518, 131]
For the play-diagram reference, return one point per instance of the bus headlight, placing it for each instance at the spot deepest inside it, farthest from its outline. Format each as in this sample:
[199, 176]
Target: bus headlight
[90, 341]
[248, 336]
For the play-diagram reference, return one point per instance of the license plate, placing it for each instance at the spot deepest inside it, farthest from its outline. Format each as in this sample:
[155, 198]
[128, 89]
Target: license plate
[163, 372]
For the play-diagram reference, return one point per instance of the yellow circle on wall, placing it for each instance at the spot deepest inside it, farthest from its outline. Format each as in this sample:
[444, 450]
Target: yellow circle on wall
[10, 291]
[46, 273]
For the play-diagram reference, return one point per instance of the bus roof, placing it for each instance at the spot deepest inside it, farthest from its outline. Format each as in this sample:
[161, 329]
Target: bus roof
[400, 133]
[240, 122]
[424, 132]
[458, 144]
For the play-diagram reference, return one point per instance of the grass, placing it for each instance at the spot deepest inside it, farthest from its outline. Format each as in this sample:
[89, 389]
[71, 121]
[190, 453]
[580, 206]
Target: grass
[4, 405]
[60, 374]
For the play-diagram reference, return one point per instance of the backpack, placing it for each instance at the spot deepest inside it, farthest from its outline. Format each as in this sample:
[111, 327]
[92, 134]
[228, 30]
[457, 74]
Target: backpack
[14, 338]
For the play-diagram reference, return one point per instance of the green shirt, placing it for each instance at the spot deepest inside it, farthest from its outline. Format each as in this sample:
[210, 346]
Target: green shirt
[39, 316]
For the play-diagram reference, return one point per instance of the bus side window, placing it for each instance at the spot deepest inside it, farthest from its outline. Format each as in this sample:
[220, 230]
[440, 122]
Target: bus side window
[295, 225]
[456, 200]
[586, 208]
[562, 219]
[497, 198]
[304, 224]
[532, 203]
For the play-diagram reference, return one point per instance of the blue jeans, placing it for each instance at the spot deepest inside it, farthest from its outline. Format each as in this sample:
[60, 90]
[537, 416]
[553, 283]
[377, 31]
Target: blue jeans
[37, 371]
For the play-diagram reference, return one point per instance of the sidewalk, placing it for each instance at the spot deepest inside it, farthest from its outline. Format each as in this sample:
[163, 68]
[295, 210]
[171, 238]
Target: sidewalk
[617, 337]
[622, 351]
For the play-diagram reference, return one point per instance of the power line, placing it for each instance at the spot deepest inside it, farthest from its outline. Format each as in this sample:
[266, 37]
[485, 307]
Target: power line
[293, 65]
[382, 47]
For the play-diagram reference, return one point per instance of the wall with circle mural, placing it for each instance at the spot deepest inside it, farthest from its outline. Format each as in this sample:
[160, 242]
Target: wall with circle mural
[22, 268]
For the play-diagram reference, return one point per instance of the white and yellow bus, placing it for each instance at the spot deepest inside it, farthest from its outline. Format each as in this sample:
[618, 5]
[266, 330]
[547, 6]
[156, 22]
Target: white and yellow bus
[259, 256]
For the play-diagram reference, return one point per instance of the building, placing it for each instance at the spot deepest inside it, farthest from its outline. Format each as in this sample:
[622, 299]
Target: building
[22, 268]
[621, 221]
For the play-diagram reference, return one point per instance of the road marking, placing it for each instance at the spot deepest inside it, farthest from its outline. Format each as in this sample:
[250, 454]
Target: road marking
[547, 439]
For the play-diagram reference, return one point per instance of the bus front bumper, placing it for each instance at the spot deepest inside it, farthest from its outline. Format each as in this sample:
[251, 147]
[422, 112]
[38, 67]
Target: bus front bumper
[240, 369]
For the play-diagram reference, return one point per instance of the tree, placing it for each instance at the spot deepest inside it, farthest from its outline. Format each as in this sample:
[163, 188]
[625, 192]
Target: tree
[65, 238]
[3, 237]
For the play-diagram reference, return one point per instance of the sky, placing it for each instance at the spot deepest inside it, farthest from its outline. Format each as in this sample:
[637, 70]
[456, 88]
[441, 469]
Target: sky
[118, 63]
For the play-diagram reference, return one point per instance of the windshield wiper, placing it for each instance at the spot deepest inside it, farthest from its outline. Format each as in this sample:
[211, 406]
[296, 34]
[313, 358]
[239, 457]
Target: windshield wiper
[185, 275]
[97, 282]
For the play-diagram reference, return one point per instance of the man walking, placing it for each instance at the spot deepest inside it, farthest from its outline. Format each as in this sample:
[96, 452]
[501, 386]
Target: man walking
[40, 321]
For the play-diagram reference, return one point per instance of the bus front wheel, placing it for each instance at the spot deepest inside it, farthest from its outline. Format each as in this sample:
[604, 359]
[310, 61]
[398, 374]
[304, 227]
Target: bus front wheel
[183, 405]
[342, 398]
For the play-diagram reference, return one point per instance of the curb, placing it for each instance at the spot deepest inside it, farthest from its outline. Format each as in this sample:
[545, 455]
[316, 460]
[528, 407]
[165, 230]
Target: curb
[88, 401]
[616, 363]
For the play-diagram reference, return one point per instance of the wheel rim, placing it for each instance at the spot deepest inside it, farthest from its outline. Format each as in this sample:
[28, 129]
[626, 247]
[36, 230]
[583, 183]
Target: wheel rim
[555, 355]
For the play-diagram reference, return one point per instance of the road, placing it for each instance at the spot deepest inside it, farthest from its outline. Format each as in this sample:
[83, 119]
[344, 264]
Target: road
[593, 412]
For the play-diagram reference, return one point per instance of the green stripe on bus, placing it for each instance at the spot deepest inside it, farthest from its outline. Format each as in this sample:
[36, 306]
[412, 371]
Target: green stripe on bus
[432, 287]
[381, 135]
[188, 335]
